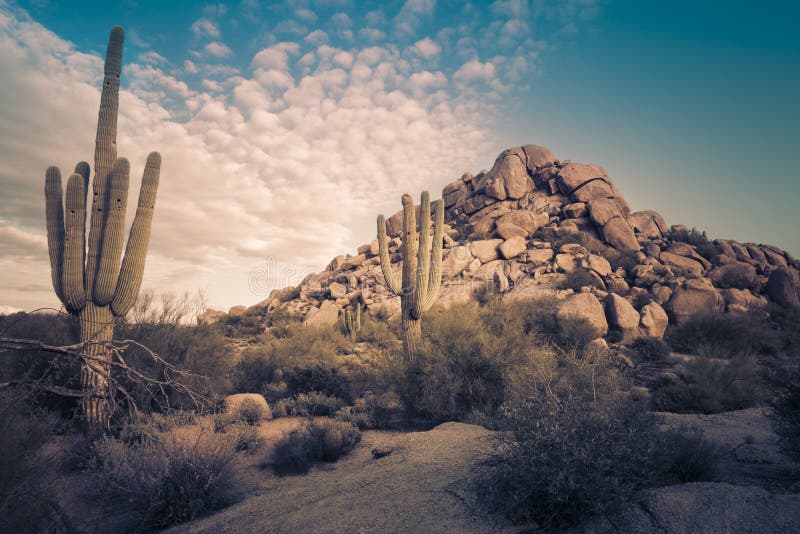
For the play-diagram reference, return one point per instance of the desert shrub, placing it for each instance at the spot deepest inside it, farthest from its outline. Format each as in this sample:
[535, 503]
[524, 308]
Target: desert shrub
[579, 278]
[219, 422]
[784, 412]
[255, 368]
[706, 386]
[139, 433]
[26, 501]
[650, 349]
[739, 277]
[375, 412]
[250, 412]
[157, 485]
[324, 440]
[474, 359]
[308, 404]
[166, 422]
[623, 260]
[317, 378]
[724, 335]
[704, 246]
[563, 462]
[377, 332]
[247, 438]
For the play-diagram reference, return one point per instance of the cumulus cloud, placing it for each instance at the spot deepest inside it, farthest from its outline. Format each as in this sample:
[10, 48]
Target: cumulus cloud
[426, 47]
[269, 167]
[205, 28]
[217, 49]
[151, 56]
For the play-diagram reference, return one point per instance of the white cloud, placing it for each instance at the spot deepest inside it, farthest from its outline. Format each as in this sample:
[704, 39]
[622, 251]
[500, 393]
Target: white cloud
[474, 70]
[205, 28]
[217, 49]
[263, 166]
[153, 57]
[190, 67]
[317, 37]
[306, 15]
[426, 47]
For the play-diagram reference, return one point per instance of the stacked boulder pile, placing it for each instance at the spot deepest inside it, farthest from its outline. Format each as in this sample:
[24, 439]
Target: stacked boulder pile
[522, 227]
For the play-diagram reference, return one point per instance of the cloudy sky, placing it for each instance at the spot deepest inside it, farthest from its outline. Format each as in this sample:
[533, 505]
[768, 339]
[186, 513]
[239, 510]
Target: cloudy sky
[285, 127]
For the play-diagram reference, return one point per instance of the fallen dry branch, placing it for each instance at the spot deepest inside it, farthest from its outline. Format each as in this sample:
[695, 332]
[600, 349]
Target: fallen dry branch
[116, 371]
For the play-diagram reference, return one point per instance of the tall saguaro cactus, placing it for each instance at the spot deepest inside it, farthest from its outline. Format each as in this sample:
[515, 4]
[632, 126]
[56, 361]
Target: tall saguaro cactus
[422, 267]
[92, 279]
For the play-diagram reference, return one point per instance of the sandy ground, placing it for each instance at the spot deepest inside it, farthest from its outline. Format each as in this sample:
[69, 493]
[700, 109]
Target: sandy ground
[421, 485]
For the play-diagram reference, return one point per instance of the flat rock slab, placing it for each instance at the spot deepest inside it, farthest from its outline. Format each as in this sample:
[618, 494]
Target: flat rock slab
[423, 485]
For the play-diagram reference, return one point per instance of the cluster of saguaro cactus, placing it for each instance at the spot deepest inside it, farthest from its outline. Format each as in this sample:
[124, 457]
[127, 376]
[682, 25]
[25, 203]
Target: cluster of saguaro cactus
[350, 320]
[92, 279]
[422, 267]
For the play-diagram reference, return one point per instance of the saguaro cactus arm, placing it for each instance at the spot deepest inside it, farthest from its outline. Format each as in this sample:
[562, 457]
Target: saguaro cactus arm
[75, 241]
[386, 265]
[132, 270]
[113, 233]
[435, 273]
[54, 213]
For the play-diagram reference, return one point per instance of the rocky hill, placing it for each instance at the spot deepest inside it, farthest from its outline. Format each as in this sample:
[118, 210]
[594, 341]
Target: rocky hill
[535, 225]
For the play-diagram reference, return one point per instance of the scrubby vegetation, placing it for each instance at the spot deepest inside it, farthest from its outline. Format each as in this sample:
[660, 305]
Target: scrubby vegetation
[321, 441]
[725, 335]
[650, 349]
[564, 461]
[156, 484]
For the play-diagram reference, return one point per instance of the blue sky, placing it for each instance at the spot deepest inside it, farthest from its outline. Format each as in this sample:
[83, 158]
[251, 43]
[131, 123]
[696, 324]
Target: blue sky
[286, 126]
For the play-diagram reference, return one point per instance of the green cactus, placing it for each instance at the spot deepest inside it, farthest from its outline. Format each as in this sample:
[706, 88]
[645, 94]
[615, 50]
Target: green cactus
[422, 267]
[350, 321]
[87, 276]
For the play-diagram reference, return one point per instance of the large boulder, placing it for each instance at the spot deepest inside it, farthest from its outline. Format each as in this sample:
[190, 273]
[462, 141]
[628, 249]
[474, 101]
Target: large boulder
[681, 262]
[619, 235]
[486, 249]
[742, 299]
[454, 191]
[782, 287]
[511, 248]
[326, 315]
[653, 321]
[603, 210]
[584, 306]
[648, 224]
[537, 157]
[572, 176]
[508, 178]
[456, 261]
[622, 317]
[210, 316]
[530, 221]
[686, 302]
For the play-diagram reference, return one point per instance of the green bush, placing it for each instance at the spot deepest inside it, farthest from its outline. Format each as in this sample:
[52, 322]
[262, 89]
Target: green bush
[650, 349]
[624, 260]
[308, 404]
[474, 359]
[579, 278]
[249, 412]
[784, 410]
[375, 412]
[725, 335]
[706, 386]
[318, 378]
[158, 485]
[563, 462]
[324, 440]
[247, 438]
[27, 503]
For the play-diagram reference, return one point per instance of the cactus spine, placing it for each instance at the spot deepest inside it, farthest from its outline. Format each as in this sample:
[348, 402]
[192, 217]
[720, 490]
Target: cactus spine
[422, 267]
[87, 275]
[350, 321]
